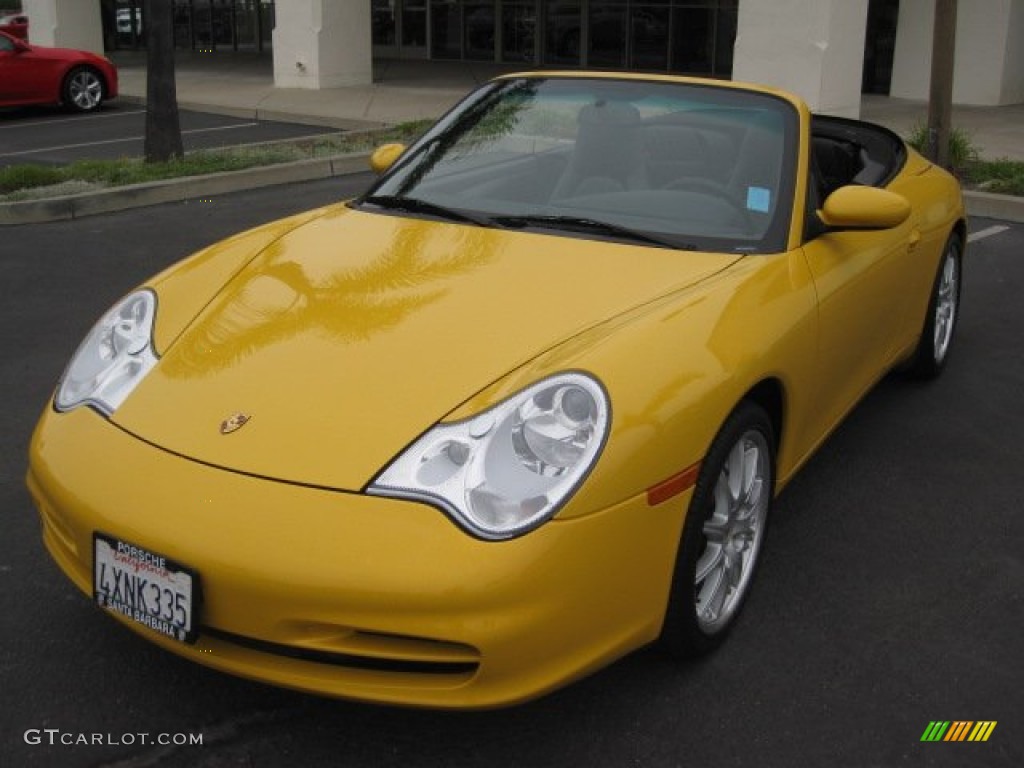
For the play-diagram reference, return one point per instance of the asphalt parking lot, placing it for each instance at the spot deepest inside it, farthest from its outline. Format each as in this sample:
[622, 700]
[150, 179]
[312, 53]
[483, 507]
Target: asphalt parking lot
[890, 594]
[48, 136]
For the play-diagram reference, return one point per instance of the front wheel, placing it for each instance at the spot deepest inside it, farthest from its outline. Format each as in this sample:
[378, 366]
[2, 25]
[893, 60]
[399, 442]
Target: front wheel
[83, 89]
[943, 313]
[723, 534]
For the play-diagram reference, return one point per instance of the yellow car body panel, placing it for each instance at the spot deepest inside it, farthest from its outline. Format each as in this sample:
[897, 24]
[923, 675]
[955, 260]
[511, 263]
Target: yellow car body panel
[342, 335]
[349, 308]
[448, 619]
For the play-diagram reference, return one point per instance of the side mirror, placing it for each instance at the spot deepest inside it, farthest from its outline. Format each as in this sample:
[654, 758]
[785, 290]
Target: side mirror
[855, 207]
[20, 46]
[384, 156]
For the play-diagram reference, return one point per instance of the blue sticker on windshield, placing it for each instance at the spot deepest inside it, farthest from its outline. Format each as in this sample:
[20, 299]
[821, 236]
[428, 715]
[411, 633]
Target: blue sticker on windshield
[759, 199]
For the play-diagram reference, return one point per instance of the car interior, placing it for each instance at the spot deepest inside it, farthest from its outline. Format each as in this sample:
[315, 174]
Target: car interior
[711, 171]
[851, 152]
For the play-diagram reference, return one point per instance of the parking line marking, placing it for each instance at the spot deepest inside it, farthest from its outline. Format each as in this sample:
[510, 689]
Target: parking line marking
[33, 123]
[230, 127]
[981, 234]
[120, 141]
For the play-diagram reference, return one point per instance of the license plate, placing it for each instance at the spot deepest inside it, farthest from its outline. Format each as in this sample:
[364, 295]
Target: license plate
[144, 586]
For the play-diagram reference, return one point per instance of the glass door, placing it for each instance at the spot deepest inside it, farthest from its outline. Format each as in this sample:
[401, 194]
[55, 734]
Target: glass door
[183, 24]
[648, 27]
[607, 34]
[414, 29]
[247, 25]
[563, 39]
[479, 27]
[519, 31]
[445, 29]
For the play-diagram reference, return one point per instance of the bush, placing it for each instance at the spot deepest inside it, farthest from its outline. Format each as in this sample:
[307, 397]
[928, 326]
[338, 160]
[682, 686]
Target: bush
[28, 176]
[1004, 177]
[962, 149]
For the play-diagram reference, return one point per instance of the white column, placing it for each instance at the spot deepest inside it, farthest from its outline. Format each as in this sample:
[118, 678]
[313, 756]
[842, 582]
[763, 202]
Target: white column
[989, 58]
[65, 23]
[814, 48]
[1013, 74]
[322, 43]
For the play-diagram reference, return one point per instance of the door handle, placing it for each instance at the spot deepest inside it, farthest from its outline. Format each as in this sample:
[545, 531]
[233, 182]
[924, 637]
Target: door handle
[915, 238]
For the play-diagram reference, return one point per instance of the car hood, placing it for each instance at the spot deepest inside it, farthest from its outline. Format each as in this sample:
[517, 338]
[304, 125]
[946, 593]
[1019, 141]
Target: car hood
[354, 333]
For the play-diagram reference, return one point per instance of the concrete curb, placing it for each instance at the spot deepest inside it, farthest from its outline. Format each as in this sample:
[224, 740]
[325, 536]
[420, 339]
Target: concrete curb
[987, 205]
[983, 204]
[178, 190]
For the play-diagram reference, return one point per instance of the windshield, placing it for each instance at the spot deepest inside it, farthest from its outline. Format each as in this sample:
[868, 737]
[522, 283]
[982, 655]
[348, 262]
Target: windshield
[683, 165]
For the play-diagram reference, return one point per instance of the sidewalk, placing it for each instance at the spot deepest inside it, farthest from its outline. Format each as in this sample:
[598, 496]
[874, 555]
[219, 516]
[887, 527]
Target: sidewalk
[242, 85]
[998, 132]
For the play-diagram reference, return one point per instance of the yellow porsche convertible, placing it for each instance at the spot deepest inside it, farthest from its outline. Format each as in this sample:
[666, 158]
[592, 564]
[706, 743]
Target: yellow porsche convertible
[516, 411]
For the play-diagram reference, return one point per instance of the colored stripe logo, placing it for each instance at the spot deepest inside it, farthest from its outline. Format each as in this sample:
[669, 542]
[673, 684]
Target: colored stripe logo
[958, 730]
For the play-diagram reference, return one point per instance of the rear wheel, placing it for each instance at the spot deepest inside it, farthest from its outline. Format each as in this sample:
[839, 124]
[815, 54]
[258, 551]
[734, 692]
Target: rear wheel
[723, 534]
[943, 313]
[83, 89]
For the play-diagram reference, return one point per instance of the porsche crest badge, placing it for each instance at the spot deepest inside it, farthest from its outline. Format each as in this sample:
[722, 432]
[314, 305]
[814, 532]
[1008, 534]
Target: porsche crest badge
[234, 423]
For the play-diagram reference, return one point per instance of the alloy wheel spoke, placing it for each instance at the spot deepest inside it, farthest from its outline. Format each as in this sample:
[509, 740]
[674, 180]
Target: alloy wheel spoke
[750, 466]
[709, 561]
[723, 502]
[734, 470]
[751, 499]
[716, 591]
[715, 529]
[733, 572]
[747, 525]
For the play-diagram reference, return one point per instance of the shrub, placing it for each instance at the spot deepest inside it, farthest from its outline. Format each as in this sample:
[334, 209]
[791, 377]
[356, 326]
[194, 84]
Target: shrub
[1004, 177]
[28, 176]
[962, 149]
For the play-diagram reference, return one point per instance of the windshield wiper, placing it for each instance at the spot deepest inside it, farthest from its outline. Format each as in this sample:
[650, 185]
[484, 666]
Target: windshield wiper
[415, 205]
[584, 224]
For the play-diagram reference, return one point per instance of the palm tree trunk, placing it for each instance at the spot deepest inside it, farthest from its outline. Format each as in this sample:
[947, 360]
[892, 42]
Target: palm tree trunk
[163, 130]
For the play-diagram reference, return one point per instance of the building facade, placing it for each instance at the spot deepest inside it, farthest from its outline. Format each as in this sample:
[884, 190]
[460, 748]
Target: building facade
[209, 25]
[687, 36]
[828, 51]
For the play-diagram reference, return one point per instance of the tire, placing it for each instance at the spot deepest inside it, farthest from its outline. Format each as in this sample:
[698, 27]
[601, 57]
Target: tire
[723, 534]
[83, 89]
[933, 349]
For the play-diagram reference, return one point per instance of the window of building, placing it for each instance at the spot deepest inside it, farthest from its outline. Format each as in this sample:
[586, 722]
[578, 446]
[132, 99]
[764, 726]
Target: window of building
[479, 26]
[519, 31]
[414, 24]
[205, 25]
[445, 29]
[649, 26]
[564, 36]
[384, 22]
[689, 36]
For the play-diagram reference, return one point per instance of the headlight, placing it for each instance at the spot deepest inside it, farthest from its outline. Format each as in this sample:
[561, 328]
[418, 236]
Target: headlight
[113, 358]
[508, 470]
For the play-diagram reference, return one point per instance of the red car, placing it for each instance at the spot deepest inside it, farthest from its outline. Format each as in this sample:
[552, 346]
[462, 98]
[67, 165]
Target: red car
[16, 25]
[35, 74]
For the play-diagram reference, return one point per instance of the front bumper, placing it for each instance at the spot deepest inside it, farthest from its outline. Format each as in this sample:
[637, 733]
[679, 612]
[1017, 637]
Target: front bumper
[356, 596]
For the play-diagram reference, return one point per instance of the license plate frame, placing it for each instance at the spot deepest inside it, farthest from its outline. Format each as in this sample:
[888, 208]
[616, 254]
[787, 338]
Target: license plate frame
[146, 587]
